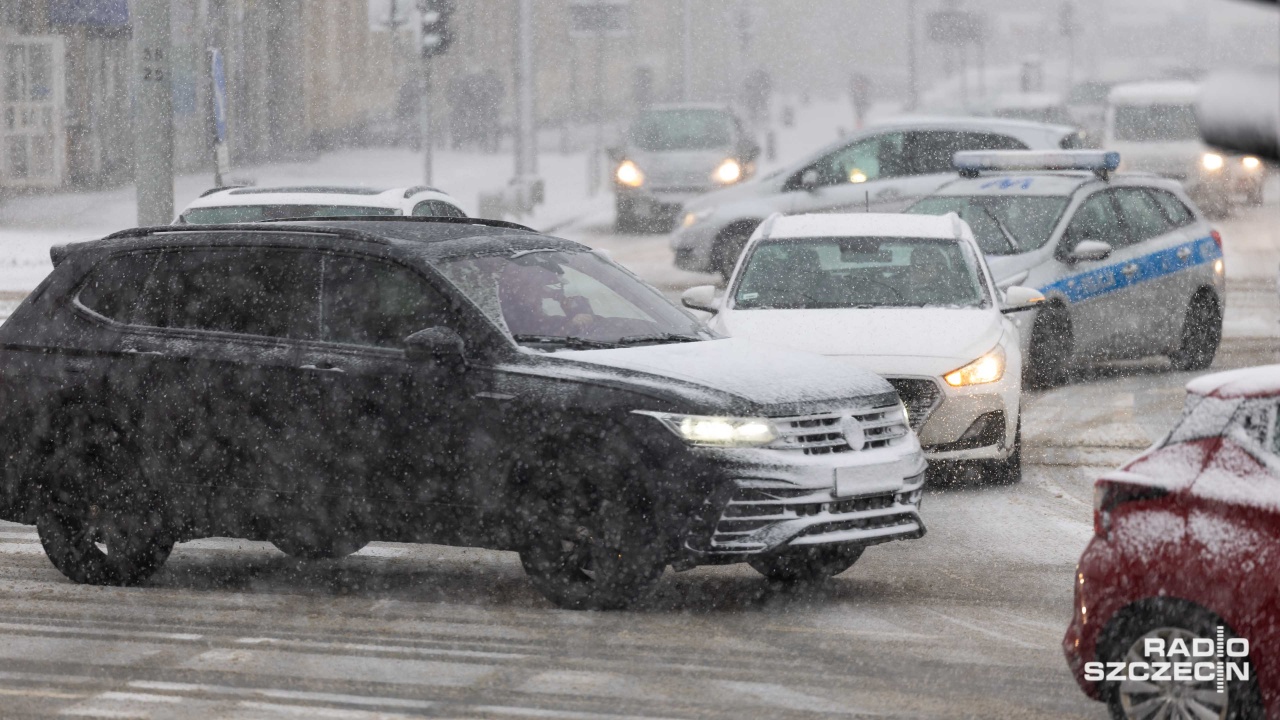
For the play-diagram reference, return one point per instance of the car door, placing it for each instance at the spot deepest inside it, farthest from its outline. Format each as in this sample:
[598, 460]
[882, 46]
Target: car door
[210, 345]
[394, 428]
[1192, 258]
[867, 172]
[1160, 252]
[1098, 292]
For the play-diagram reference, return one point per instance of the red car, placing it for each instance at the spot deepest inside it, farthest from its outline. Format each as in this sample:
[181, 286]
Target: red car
[1177, 597]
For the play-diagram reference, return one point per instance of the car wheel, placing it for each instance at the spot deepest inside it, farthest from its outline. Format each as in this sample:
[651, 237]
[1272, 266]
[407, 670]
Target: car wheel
[1009, 470]
[806, 564]
[729, 245]
[1201, 333]
[98, 546]
[309, 544]
[1171, 620]
[624, 216]
[584, 548]
[1051, 346]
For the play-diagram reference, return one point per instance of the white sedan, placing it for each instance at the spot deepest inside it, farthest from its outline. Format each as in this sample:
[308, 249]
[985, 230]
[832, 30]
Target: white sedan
[907, 297]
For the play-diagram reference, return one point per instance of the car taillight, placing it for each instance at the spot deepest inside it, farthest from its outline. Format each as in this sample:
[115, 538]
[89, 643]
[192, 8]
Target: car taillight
[1108, 495]
[1217, 239]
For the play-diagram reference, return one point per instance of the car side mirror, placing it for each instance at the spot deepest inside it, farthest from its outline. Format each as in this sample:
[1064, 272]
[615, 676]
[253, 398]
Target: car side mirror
[1089, 250]
[438, 345]
[1018, 298]
[702, 297]
[809, 181]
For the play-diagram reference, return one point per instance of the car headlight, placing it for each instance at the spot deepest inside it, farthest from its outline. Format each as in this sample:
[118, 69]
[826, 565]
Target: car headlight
[628, 173]
[693, 218]
[729, 172]
[1212, 162]
[714, 431]
[986, 369]
[1250, 163]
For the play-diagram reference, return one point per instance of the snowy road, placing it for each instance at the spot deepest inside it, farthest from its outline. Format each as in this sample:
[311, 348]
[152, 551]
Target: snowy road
[963, 623]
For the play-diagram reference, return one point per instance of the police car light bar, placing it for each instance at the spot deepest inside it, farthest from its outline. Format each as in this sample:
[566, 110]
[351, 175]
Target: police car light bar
[974, 162]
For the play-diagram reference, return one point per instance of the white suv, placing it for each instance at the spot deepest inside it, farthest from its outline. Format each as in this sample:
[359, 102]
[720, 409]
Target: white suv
[255, 204]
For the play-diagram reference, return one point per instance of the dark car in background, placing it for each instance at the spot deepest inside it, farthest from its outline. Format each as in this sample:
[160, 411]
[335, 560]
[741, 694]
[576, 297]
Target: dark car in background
[322, 384]
[673, 153]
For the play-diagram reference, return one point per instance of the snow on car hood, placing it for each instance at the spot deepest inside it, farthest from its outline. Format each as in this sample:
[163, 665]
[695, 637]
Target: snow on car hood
[753, 371]
[882, 336]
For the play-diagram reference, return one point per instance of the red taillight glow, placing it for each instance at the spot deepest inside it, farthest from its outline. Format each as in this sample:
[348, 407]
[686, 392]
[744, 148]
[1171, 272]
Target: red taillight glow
[1217, 238]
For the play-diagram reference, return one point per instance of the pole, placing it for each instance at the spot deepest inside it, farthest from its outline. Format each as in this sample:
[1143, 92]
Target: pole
[913, 82]
[526, 145]
[426, 122]
[153, 112]
[686, 53]
[598, 151]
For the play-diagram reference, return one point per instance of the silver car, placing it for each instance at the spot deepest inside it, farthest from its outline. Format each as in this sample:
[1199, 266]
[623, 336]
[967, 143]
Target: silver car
[880, 169]
[1128, 265]
[673, 153]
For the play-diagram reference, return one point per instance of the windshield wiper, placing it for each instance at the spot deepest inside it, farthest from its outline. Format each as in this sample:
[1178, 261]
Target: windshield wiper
[569, 342]
[1009, 238]
[657, 338]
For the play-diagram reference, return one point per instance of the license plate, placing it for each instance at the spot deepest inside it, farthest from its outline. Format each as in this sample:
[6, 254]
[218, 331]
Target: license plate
[871, 480]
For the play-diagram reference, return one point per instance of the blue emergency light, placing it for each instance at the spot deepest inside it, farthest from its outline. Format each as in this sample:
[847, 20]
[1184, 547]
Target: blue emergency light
[972, 162]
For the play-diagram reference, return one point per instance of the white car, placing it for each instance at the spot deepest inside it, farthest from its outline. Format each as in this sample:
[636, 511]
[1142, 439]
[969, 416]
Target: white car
[255, 204]
[907, 297]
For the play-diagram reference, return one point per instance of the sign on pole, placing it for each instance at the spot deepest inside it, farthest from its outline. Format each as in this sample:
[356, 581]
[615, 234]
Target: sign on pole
[153, 112]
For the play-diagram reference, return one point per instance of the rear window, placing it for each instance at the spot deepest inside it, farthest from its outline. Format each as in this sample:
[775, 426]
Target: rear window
[1156, 123]
[258, 213]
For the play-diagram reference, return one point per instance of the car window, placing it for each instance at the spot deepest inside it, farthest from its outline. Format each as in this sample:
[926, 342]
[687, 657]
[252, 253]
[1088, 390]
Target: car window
[114, 287]
[1002, 225]
[376, 303]
[1156, 123]
[437, 208]
[932, 152]
[1095, 219]
[1173, 208]
[832, 273]
[1142, 216]
[873, 158]
[252, 291]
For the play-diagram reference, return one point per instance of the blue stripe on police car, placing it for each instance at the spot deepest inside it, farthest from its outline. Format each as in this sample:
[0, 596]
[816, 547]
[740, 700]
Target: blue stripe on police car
[1100, 281]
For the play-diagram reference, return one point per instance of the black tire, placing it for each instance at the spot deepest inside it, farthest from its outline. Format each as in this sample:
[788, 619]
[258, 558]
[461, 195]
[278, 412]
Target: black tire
[95, 546]
[590, 539]
[729, 245]
[309, 544]
[625, 216]
[1201, 334]
[1168, 618]
[1009, 470]
[1049, 361]
[799, 565]
[98, 521]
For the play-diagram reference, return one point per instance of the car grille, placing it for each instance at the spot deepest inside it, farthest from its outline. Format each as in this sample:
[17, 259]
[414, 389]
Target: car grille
[827, 433]
[921, 397]
[794, 513]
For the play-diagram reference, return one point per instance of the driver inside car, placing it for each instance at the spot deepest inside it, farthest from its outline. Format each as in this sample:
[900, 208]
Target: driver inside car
[930, 277]
[534, 303]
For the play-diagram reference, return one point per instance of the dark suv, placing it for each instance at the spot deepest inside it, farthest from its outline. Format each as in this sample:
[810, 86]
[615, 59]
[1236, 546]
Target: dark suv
[323, 384]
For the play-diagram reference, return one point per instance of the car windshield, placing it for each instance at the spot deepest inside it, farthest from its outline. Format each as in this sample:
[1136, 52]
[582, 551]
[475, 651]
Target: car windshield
[553, 299]
[1156, 123]
[1002, 225]
[258, 213]
[861, 272]
[667, 130]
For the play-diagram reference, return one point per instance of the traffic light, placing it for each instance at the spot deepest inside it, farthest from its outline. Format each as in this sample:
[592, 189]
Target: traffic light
[437, 36]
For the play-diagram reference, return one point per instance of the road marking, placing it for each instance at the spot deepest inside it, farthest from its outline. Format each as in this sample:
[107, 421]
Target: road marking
[137, 697]
[368, 700]
[96, 632]
[979, 629]
[42, 693]
[541, 713]
[777, 695]
[366, 647]
[314, 711]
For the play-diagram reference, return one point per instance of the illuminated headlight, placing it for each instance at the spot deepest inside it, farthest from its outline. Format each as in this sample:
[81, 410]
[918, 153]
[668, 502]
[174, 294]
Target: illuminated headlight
[718, 431]
[1250, 163]
[729, 172]
[1212, 162]
[693, 218]
[986, 369]
[628, 173]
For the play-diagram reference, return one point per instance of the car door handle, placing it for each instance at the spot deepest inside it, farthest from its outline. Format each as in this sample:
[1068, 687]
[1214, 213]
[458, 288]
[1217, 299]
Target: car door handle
[136, 351]
[1130, 269]
[323, 367]
[1184, 253]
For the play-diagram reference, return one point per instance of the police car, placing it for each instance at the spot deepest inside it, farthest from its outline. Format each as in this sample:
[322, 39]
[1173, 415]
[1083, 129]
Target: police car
[1127, 263]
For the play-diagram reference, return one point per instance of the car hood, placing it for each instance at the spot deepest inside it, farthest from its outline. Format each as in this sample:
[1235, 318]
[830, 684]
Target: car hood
[758, 374]
[929, 340]
[685, 167]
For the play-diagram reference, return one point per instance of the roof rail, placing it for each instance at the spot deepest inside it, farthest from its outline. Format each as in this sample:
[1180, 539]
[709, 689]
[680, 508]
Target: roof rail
[420, 189]
[213, 190]
[766, 227]
[407, 218]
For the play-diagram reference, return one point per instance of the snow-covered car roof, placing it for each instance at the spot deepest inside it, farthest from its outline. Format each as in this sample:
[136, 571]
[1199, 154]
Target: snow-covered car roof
[1261, 381]
[391, 198]
[943, 227]
[979, 124]
[1153, 93]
